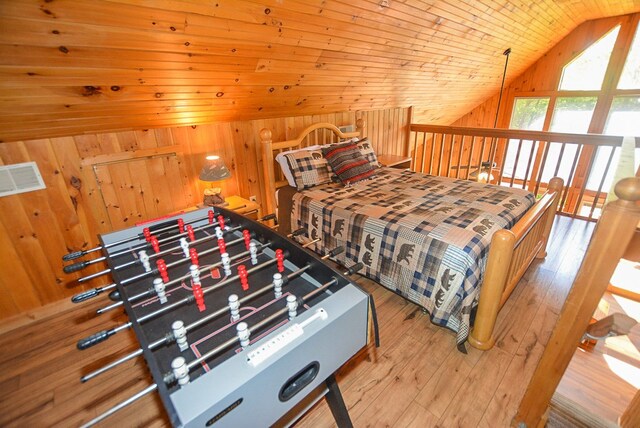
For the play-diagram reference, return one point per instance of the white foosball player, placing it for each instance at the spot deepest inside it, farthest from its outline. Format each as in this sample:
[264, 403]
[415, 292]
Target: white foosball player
[253, 250]
[185, 247]
[292, 304]
[234, 307]
[226, 263]
[158, 286]
[243, 334]
[277, 285]
[144, 259]
[180, 370]
[180, 334]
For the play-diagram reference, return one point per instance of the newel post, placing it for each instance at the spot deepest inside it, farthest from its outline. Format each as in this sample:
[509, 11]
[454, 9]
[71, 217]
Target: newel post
[269, 178]
[610, 239]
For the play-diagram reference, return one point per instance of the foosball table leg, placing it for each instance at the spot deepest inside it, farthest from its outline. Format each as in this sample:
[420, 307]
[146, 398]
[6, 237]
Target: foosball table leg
[336, 404]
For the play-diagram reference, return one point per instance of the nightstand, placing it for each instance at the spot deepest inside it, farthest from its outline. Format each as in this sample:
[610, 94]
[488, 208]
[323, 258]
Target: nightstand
[242, 206]
[395, 161]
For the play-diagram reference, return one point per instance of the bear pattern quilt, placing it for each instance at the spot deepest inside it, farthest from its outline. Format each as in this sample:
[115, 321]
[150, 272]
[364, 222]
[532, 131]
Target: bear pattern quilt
[424, 237]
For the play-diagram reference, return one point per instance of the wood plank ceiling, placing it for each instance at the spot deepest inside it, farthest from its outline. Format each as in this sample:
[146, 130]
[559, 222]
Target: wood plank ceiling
[72, 67]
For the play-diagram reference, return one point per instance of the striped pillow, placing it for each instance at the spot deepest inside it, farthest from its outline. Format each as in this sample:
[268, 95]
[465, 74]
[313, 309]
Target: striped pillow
[367, 151]
[348, 163]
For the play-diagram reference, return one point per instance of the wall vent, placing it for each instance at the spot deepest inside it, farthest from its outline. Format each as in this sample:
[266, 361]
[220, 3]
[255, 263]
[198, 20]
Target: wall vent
[20, 178]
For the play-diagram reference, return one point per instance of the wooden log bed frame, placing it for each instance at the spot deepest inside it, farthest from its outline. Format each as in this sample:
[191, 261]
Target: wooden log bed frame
[511, 251]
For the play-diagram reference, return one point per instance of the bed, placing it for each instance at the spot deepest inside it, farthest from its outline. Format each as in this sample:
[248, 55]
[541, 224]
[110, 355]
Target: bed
[457, 248]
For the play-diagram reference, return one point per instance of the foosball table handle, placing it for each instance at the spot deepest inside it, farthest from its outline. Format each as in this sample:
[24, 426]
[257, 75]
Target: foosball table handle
[94, 339]
[72, 256]
[298, 232]
[355, 268]
[336, 251]
[86, 295]
[75, 267]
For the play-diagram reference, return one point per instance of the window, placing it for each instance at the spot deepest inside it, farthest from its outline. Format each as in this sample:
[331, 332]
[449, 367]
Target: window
[630, 78]
[529, 114]
[573, 114]
[624, 119]
[586, 71]
[614, 96]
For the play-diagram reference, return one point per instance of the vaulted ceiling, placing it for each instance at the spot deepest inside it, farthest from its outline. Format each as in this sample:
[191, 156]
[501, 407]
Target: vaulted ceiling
[72, 67]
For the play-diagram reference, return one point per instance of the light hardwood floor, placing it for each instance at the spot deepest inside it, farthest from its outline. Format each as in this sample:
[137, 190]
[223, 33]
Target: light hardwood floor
[417, 378]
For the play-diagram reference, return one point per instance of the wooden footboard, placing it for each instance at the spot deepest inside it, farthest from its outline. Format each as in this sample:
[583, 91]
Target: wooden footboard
[510, 254]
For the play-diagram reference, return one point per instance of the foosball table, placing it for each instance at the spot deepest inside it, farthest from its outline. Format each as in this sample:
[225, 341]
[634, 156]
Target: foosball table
[239, 325]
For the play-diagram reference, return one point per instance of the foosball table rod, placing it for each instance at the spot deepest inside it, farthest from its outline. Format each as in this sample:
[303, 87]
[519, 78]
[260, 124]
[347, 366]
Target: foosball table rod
[76, 254]
[155, 271]
[103, 335]
[151, 290]
[171, 378]
[170, 337]
[83, 264]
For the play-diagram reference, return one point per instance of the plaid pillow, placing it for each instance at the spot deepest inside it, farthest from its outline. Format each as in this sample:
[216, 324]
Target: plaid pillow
[309, 168]
[348, 163]
[367, 151]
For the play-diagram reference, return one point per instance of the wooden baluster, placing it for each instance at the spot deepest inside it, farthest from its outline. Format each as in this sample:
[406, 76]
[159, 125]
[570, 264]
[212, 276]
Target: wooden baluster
[515, 163]
[504, 157]
[424, 151]
[432, 153]
[460, 156]
[584, 182]
[441, 155]
[482, 147]
[571, 176]
[545, 153]
[559, 159]
[604, 176]
[531, 157]
[470, 158]
[451, 149]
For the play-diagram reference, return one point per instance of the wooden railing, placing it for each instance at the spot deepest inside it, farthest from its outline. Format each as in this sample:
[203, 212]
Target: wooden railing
[525, 159]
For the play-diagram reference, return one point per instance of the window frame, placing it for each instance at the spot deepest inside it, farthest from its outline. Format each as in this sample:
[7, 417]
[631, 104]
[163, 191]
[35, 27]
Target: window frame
[628, 29]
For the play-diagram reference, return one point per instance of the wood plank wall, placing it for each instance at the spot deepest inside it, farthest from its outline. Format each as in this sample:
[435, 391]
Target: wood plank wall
[100, 182]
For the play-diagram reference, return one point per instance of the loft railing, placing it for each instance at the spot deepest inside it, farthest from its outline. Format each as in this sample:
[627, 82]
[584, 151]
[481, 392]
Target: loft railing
[525, 159]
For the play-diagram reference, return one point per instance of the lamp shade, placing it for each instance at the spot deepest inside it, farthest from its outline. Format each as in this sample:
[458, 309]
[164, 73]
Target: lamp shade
[483, 173]
[214, 169]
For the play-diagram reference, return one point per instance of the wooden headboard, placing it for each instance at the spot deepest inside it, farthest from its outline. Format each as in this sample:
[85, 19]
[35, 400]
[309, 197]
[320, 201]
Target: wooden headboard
[319, 133]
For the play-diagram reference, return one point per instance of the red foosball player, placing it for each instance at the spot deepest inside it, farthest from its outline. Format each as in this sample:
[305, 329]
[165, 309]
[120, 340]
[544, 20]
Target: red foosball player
[181, 225]
[193, 253]
[222, 246]
[210, 213]
[192, 236]
[155, 244]
[198, 294]
[221, 222]
[280, 259]
[247, 238]
[162, 268]
[242, 273]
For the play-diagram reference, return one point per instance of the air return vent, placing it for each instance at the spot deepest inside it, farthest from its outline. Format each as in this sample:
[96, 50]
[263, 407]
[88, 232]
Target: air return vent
[20, 178]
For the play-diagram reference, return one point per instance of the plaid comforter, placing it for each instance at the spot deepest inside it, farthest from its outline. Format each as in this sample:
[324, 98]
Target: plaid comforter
[424, 237]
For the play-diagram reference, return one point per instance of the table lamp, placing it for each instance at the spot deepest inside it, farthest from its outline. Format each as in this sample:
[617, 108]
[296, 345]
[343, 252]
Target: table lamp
[483, 173]
[214, 170]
